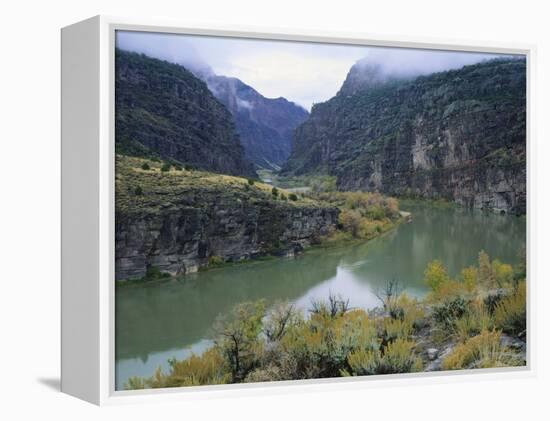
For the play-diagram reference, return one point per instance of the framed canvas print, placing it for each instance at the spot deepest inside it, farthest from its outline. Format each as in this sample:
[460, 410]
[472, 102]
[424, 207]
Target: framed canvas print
[247, 210]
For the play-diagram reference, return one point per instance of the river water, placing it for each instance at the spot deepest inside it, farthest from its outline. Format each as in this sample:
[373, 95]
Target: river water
[174, 319]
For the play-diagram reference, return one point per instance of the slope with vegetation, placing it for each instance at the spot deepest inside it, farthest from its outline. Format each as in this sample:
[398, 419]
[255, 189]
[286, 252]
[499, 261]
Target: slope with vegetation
[477, 320]
[459, 135]
[164, 111]
[172, 220]
[176, 220]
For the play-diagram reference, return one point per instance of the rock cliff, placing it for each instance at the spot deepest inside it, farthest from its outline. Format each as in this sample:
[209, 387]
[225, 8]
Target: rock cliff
[180, 221]
[163, 110]
[458, 135]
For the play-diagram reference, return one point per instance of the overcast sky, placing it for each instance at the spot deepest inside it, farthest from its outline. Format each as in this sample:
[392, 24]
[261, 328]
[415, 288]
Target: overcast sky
[304, 73]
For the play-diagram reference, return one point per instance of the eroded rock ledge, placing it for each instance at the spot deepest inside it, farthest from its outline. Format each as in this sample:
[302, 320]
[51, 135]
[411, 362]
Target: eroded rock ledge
[183, 220]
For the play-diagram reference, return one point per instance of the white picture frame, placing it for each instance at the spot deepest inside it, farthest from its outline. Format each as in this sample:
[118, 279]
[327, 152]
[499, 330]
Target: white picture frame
[88, 327]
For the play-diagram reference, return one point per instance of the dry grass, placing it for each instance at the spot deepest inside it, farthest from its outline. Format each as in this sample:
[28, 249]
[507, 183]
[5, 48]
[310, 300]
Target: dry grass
[481, 351]
[160, 188]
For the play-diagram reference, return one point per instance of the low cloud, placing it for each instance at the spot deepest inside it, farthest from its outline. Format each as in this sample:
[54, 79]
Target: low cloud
[304, 73]
[403, 62]
[241, 103]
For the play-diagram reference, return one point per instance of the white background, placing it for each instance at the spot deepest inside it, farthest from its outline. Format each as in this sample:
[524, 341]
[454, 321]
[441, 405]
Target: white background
[30, 225]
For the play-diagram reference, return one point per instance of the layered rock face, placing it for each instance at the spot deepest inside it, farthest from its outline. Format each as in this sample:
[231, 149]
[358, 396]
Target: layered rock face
[163, 110]
[458, 135]
[265, 125]
[182, 221]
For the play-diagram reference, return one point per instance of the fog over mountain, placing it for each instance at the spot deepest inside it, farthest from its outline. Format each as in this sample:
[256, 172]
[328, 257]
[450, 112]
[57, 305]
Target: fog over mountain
[304, 73]
[265, 125]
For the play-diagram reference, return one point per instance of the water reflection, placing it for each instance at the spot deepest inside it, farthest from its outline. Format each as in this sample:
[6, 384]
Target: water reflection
[157, 322]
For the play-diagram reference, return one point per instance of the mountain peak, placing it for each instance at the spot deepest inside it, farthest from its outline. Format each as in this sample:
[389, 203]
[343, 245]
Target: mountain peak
[364, 74]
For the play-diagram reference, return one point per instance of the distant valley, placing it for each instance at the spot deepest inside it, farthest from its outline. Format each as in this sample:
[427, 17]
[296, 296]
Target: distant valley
[265, 125]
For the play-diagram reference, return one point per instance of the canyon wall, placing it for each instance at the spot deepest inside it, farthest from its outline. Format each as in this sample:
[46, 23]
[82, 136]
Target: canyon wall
[459, 135]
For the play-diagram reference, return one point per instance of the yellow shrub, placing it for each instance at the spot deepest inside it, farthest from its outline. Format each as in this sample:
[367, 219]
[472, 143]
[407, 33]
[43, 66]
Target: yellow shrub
[392, 206]
[435, 275]
[510, 313]
[447, 290]
[135, 383]
[502, 272]
[481, 351]
[486, 276]
[354, 330]
[476, 320]
[469, 277]
[413, 311]
[399, 357]
[363, 362]
[209, 368]
[351, 221]
[396, 329]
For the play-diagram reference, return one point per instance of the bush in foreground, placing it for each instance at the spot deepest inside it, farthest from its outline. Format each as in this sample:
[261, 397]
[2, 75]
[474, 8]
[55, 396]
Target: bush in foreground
[481, 351]
[511, 312]
[333, 339]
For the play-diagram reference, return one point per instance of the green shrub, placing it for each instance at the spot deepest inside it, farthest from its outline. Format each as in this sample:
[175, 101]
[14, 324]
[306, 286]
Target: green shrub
[399, 357]
[274, 191]
[396, 357]
[145, 166]
[408, 310]
[363, 363]
[393, 329]
[215, 261]
[153, 273]
[280, 318]
[166, 167]
[476, 320]
[138, 191]
[251, 182]
[320, 346]
[293, 197]
[178, 167]
[375, 212]
[448, 312]
[492, 299]
[238, 339]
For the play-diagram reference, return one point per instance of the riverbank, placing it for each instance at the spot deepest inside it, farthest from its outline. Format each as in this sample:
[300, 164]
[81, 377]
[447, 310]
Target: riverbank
[171, 318]
[173, 221]
[476, 320]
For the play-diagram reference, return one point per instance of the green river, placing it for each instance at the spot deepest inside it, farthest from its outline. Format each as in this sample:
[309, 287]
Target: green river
[173, 319]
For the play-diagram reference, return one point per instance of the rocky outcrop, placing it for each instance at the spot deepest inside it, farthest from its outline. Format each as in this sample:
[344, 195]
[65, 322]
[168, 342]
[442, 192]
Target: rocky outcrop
[458, 135]
[164, 111]
[181, 222]
[265, 125]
